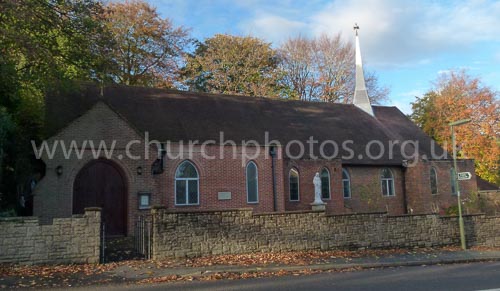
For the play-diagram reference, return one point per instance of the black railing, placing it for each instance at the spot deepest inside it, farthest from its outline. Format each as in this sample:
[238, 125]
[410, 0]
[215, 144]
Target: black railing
[142, 235]
[102, 253]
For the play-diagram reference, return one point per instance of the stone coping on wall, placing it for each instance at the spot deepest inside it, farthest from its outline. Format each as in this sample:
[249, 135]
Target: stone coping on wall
[33, 219]
[200, 211]
[92, 209]
[318, 212]
[19, 218]
[360, 213]
[287, 212]
[463, 215]
[196, 211]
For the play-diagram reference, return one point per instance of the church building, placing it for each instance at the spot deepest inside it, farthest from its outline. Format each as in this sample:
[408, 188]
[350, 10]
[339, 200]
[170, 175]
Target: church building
[128, 149]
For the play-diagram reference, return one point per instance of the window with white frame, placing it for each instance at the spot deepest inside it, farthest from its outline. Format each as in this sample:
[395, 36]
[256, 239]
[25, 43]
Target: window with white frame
[187, 184]
[325, 184]
[434, 181]
[294, 185]
[252, 178]
[387, 180]
[346, 184]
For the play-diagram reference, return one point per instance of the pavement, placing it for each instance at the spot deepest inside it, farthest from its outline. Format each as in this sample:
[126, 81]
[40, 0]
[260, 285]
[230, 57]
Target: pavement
[130, 273]
[364, 262]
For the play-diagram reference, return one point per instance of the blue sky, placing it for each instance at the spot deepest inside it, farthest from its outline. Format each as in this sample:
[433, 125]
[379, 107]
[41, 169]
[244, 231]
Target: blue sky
[407, 43]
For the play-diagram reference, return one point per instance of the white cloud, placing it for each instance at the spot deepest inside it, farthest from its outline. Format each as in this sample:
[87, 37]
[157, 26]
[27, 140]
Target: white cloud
[402, 32]
[443, 72]
[272, 28]
[406, 31]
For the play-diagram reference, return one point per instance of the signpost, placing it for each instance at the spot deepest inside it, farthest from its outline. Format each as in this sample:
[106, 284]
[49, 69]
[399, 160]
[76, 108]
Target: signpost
[464, 176]
[460, 218]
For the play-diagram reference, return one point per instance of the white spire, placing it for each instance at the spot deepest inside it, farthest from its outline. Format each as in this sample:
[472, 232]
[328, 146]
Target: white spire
[361, 99]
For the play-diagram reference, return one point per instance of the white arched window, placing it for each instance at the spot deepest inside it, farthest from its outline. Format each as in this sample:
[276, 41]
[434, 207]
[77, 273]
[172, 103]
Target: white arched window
[252, 183]
[325, 183]
[293, 179]
[346, 184]
[434, 181]
[187, 184]
[387, 180]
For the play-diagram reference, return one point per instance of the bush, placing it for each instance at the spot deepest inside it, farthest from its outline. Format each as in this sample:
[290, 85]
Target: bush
[8, 213]
[452, 210]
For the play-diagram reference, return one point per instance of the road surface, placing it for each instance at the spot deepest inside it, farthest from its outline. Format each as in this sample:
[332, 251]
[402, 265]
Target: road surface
[477, 276]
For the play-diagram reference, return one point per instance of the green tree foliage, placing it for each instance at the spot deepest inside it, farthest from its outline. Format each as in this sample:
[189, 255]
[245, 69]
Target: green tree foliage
[53, 40]
[42, 42]
[421, 114]
[234, 65]
[458, 96]
[149, 49]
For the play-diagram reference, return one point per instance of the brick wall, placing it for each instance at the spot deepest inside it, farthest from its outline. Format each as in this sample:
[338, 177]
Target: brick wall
[366, 191]
[418, 187]
[241, 231]
[66, 240]
[226, 175]
[307, 169]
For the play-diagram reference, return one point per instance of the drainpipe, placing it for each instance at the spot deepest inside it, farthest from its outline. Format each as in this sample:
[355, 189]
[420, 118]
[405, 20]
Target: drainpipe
[405, 166]
[272, 152]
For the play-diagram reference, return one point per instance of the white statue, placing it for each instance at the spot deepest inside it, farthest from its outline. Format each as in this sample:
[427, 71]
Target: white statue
[317, 190]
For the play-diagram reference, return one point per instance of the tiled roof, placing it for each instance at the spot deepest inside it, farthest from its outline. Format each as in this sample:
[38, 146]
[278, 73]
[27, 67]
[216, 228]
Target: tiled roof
[178, 115]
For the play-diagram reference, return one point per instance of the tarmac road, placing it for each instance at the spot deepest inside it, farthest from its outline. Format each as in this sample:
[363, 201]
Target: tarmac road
[473, 276]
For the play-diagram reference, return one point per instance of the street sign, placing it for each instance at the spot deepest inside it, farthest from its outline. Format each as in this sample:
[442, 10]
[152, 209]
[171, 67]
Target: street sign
[464, 176]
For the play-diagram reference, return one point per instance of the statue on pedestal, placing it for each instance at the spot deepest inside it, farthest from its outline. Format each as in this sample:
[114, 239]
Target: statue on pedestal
[318, 204]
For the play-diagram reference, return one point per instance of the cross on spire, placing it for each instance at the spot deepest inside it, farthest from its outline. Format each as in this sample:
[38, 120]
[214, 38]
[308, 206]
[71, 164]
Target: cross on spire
[356, 28]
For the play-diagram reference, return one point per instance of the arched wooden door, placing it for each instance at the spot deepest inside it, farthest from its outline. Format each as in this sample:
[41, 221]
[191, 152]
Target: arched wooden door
[101, 183]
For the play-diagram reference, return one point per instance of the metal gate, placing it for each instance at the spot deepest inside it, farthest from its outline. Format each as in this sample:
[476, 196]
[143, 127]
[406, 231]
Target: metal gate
[102, 251]
[142, 235]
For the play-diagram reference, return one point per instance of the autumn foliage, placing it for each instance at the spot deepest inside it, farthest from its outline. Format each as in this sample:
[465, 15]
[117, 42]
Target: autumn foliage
[229, 64]
[148, 49]
[323, 68]
[457, 96]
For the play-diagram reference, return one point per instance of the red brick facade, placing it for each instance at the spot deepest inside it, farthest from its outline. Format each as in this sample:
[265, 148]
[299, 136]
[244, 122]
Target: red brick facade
[418, 185]
[53, 196]
[366, 191]
[307, 169]
[225, 175]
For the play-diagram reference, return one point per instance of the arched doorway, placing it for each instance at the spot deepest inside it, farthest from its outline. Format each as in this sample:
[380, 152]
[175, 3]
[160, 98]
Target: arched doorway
[101, 183]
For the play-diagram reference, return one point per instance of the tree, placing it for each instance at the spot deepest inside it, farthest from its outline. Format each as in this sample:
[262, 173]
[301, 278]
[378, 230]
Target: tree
[41, 42]
[148, 48]
[229, 64]
[458, 96]
[323, 68]
[51, 40]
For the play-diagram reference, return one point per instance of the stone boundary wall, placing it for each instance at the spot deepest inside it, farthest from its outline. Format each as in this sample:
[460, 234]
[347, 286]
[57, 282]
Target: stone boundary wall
[193, 234]
[67, 240]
